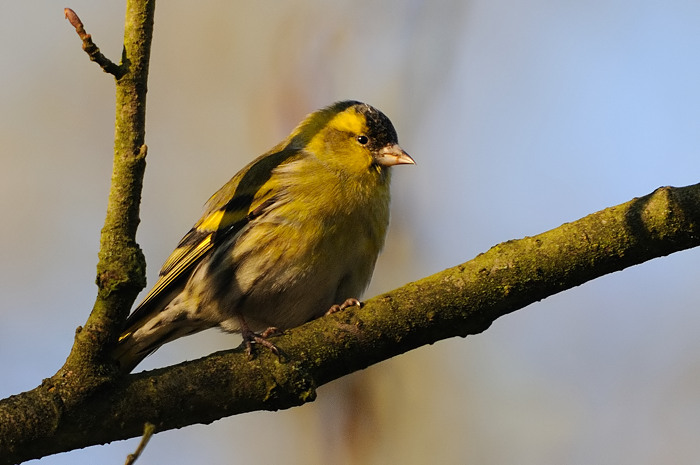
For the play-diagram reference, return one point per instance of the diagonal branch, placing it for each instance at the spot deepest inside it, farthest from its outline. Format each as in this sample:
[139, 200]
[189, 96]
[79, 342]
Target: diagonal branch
[90, 48]
[148, 430]
[458, 301]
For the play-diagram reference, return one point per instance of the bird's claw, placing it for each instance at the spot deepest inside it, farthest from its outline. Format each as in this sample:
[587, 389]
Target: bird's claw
[352, 302]
[250, 338]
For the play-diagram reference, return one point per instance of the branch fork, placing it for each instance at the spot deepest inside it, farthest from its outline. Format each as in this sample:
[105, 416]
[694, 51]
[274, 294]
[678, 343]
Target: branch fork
[91, 49]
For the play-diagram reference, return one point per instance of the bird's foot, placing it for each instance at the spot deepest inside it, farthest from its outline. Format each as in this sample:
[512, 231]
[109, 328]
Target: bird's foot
[250, 337]
[352, 302]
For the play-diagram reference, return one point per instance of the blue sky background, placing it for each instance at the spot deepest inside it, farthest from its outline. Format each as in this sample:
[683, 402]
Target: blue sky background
[521, 116]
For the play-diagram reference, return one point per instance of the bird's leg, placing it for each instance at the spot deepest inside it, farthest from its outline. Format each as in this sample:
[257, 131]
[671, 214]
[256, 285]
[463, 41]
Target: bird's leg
[352, 302]
[250, 337]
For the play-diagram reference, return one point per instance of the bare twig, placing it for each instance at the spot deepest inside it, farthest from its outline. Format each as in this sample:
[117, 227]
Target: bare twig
[148, 430]
[90, 48]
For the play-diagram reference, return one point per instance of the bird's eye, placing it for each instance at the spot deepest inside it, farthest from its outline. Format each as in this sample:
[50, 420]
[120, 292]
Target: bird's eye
[362, 139]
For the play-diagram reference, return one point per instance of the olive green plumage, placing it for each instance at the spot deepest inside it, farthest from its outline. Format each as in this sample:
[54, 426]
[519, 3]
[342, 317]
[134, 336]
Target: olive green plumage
[291, 234]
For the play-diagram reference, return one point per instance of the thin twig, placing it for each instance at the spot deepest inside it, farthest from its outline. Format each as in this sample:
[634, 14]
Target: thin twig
[90, 48]
[148, 430]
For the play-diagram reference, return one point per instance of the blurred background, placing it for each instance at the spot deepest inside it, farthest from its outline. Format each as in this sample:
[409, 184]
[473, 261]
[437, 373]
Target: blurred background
[521, 116]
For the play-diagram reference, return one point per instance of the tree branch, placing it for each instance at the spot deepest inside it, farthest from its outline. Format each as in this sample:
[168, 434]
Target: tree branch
[90, 48]
[458, 301]
[121, 267]
[148, 431]
[85, 403]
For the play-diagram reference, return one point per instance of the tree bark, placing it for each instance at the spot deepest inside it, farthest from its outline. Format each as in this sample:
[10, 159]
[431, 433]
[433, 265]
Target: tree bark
[88, 402]
[458, 301]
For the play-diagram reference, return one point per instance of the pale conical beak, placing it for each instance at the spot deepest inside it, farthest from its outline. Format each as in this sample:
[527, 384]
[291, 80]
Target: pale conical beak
[393, 155]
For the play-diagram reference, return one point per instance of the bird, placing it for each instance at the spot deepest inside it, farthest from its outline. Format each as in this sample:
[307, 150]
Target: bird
[292, 236]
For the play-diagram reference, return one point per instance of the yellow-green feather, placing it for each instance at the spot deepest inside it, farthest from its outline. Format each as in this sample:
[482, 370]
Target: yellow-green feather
[321, 193]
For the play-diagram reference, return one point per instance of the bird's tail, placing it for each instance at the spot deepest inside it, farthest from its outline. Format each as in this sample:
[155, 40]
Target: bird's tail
[129, 353]
[145, 336]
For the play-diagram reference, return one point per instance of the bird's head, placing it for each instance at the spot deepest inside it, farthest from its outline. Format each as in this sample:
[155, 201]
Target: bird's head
[352, 137]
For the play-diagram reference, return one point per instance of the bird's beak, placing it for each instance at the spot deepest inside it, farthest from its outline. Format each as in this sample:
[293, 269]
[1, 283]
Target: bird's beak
[393, 155]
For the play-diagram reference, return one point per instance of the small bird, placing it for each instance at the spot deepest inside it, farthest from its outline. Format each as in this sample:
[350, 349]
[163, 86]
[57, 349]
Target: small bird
[293, 235]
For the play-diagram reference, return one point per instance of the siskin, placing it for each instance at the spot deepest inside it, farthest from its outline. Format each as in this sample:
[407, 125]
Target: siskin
[288, 238]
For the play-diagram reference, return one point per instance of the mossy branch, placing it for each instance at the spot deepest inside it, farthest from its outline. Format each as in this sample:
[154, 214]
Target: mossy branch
[27, 418]
[458, 301]
[86, 403]
[121, 266]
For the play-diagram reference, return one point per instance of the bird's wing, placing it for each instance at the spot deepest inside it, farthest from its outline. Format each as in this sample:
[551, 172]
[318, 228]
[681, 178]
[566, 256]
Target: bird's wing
[238, 202]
